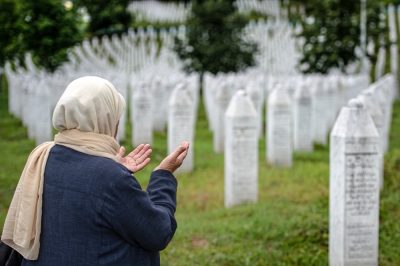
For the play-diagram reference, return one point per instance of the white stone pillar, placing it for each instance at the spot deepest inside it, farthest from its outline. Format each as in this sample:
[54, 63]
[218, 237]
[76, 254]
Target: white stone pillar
[160, 100]
[394, 51]
[141, 115]
[367, 99]
[181, 124]
[279, 128]
[320, 103]
[302, 115]
[43, 123]
[223, 96]
[256, 95]
[241, 151]
[354, 188]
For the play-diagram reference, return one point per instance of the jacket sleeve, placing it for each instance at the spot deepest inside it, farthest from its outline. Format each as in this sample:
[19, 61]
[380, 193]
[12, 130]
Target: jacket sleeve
[144, 218]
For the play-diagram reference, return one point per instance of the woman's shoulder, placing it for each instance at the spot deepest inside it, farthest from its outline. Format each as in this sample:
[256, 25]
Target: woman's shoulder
[103, 168]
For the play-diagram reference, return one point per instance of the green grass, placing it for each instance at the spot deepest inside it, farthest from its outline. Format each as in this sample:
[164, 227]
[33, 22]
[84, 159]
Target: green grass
[288, 225]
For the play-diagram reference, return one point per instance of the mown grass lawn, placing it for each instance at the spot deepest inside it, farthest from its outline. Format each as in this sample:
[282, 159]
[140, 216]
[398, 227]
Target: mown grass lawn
[288, 225]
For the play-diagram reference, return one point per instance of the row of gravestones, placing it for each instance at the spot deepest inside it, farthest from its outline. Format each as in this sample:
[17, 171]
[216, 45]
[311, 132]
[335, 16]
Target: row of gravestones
[279, 49]
[169, 103]
[298, 115]
[33, 94]
[156, 11]
[313, 100]
[270, 8]
[130, 52]
[357, 143]
[154, 104]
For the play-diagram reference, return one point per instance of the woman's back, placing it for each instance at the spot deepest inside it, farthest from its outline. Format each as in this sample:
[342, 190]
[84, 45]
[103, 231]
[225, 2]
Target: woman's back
[87, 204]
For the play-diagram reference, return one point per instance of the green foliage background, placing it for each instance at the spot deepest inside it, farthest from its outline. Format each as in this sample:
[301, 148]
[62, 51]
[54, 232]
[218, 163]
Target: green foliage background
[106, 16]
[213, 41]
[331, 30]
[48, 28]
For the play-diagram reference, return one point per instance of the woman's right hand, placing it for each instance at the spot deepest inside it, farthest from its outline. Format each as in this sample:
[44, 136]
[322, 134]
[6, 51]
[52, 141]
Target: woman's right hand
[175, 159]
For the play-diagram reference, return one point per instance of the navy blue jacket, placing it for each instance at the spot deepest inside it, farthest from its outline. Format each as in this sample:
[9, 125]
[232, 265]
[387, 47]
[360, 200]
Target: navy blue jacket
[95, 213]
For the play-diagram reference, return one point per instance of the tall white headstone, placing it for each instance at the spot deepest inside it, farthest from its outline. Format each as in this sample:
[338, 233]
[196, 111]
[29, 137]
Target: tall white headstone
[303, 133]
[320, 116]
[354, 188]
[241, 151]
[43, 131]
[256, 95]
[181, 124]
[142, 115]
[367, 98]
[223, 96]
[279, 128]
[159, 107]
[394, 51]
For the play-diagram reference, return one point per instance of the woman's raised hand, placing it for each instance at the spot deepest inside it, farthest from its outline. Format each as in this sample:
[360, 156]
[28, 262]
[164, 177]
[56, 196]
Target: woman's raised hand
[174, 159]
[137, 159]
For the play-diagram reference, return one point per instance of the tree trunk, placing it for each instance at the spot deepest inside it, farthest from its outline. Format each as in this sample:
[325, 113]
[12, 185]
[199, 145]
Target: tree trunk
[201, 83]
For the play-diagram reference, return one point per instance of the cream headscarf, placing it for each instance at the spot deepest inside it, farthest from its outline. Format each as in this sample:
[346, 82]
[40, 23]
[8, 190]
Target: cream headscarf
[87, 116]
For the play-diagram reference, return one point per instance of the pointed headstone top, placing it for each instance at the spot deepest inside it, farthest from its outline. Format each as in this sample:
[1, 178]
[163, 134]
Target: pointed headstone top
[356, 103]
[279, 96]
[354, 121]
[241, 106]
[180, 96]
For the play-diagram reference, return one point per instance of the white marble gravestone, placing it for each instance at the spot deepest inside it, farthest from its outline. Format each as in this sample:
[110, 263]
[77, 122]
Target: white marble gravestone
[394, 52]
[241, 151]
[160, 101]
[142, 115]
[181, 124]
[121, 84]
[320, 115]
[256, 95]
[331, 98]
[43, 119]
[303, 134]
[354, 188]
[367, 98]
[381, 60]
[223, 96]
[384, 104]
[279, 128]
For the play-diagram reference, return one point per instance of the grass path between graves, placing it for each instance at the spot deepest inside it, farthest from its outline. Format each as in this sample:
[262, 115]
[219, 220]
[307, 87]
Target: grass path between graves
[288, 226]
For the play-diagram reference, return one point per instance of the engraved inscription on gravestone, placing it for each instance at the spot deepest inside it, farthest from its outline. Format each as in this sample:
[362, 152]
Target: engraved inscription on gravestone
[279, 128]
[243, 144]
[361, 202]
[241, 151]
[354, 188]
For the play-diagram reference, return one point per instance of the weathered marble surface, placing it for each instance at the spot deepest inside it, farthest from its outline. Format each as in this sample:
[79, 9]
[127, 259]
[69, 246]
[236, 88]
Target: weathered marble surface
[354, 188]
[279, 128]
[181, 124]
[223, 97]
[302, 116]
[142, 115]
[241, 151]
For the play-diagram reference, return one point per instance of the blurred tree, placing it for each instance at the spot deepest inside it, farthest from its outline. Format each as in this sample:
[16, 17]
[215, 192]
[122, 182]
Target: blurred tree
[214, 41]
[331, 31]
[106, 16]
[10, 30]
[49, 29]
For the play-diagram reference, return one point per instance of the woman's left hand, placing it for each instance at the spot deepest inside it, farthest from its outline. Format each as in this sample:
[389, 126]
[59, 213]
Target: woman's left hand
[137, 159]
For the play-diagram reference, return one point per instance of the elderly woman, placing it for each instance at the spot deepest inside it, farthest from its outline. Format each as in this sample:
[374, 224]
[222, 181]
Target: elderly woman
[77, 202]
